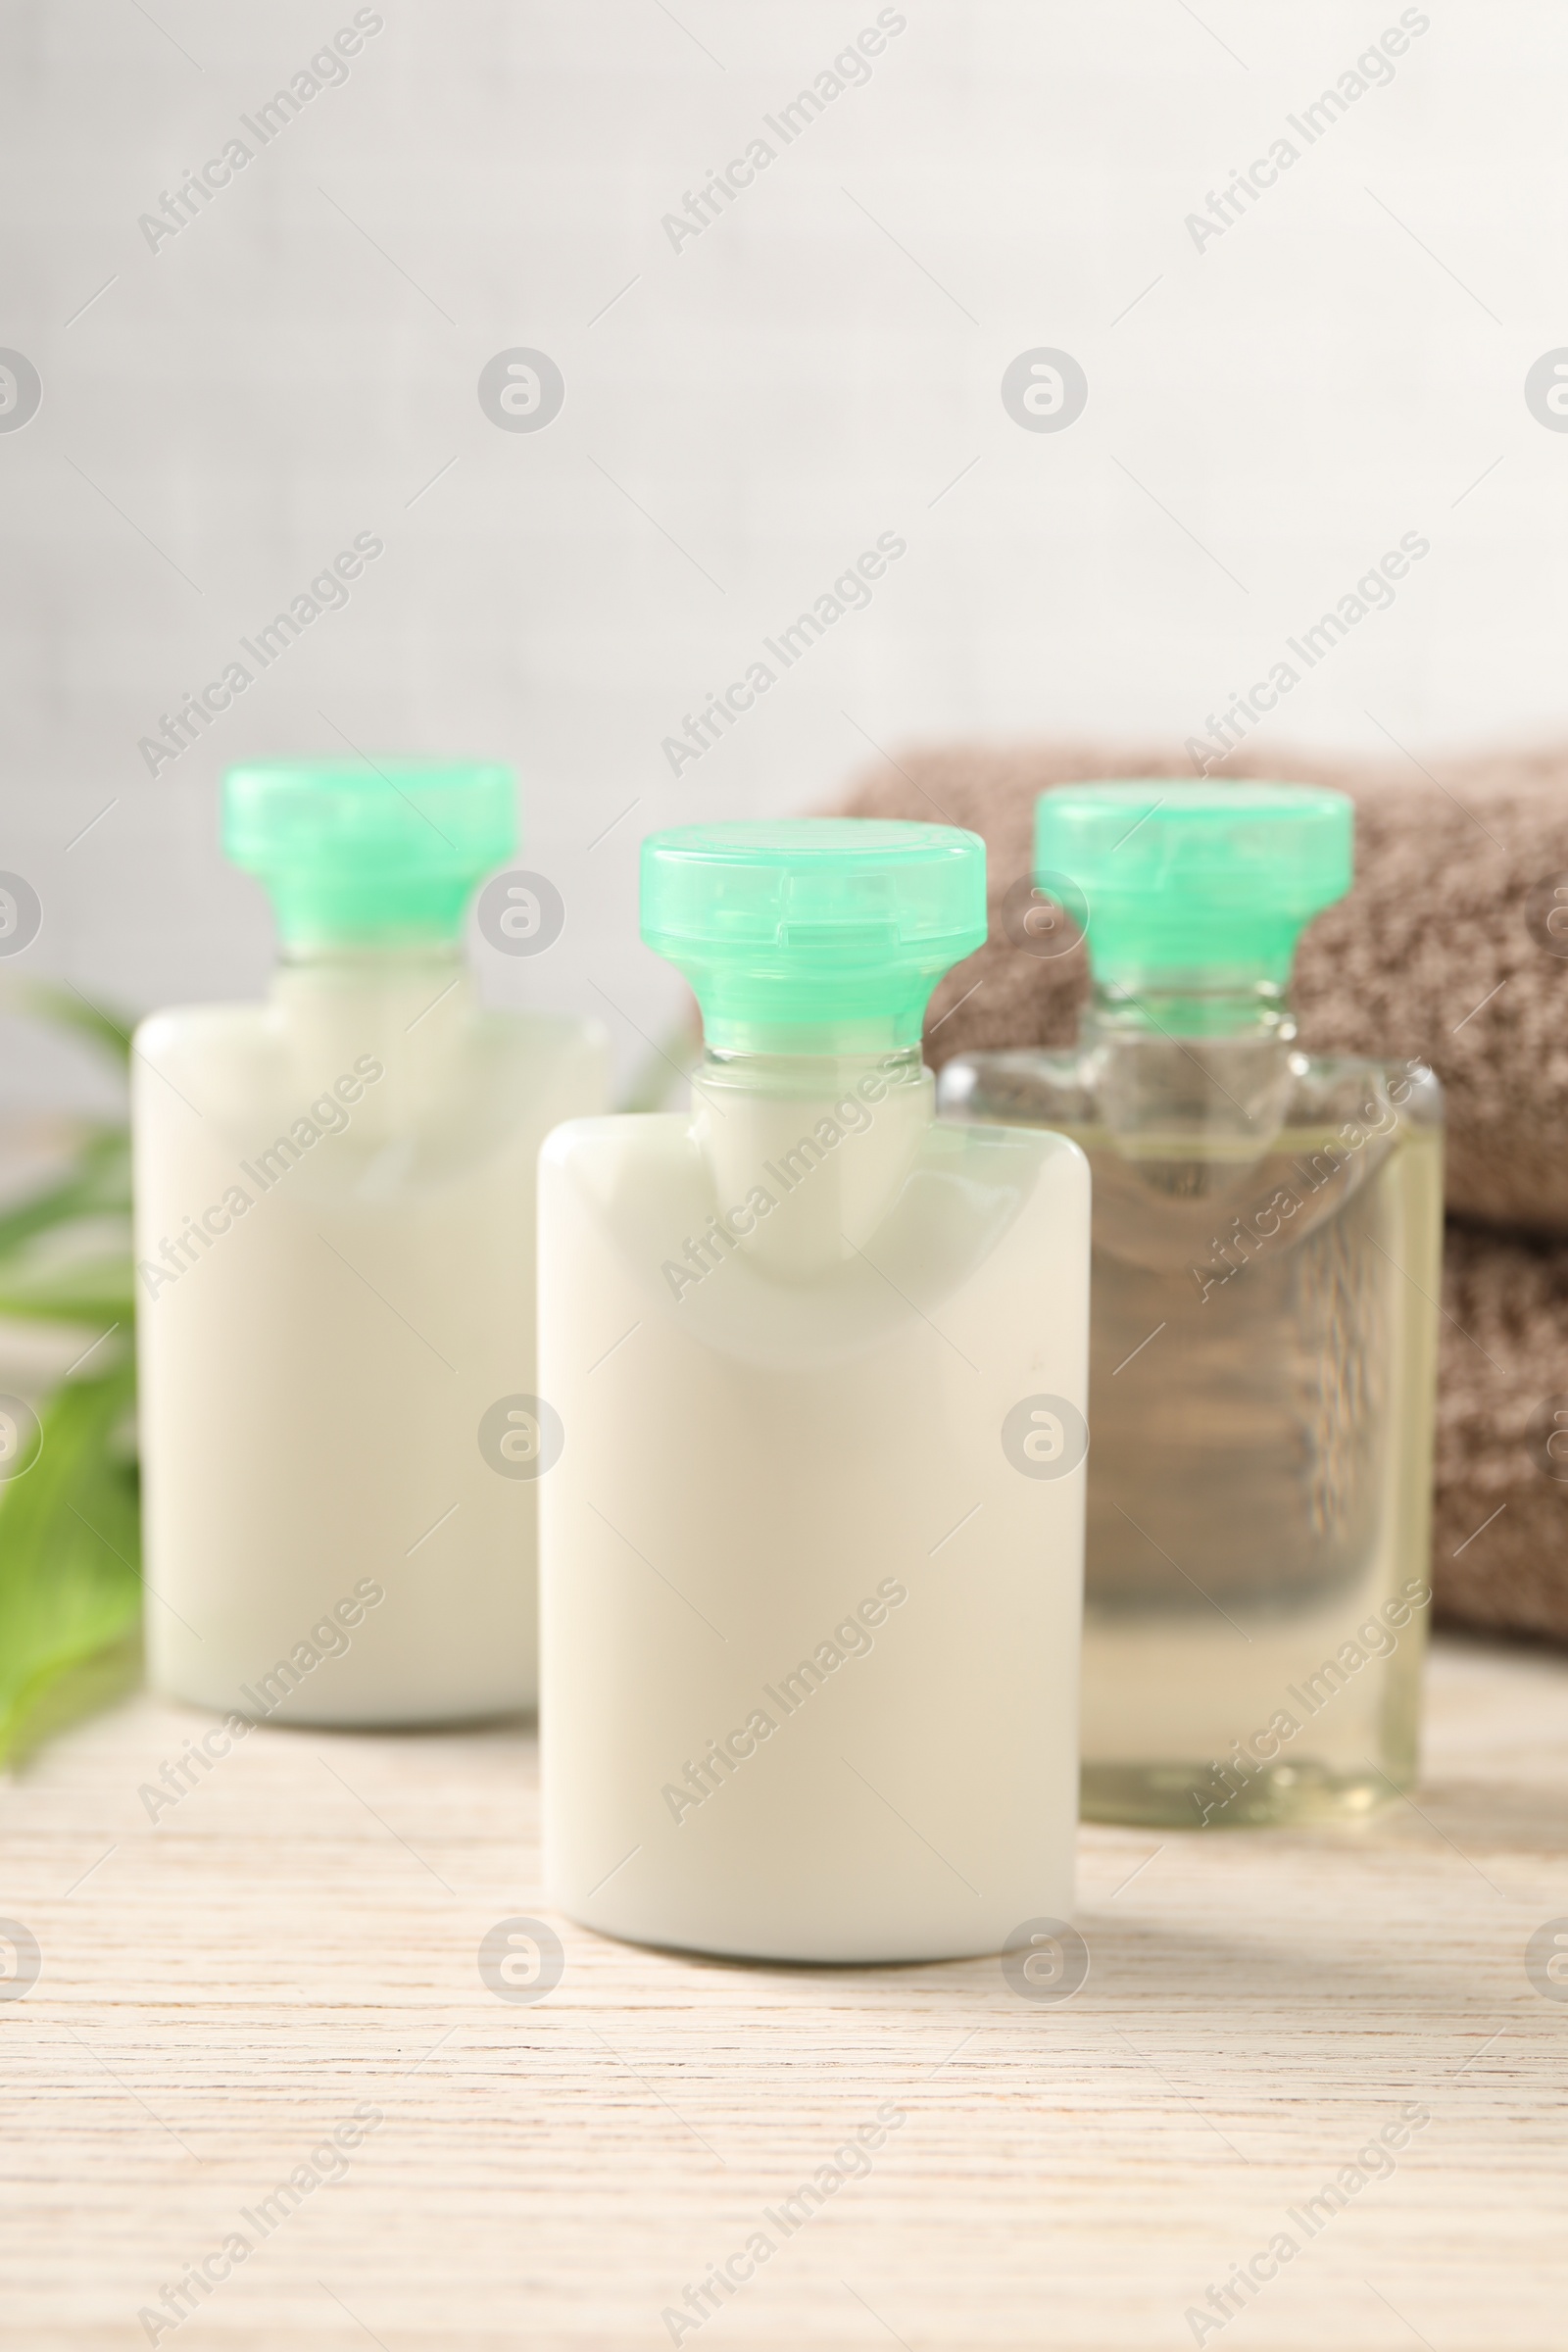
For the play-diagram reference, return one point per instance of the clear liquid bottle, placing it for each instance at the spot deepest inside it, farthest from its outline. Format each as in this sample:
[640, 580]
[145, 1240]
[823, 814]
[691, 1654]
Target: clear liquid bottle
[811, 1553]
[335, 1246]
[1267, 1232]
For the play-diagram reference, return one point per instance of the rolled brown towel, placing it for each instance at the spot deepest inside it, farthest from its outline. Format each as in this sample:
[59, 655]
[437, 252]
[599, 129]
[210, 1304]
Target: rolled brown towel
[1438, 952]
[1499, 1535]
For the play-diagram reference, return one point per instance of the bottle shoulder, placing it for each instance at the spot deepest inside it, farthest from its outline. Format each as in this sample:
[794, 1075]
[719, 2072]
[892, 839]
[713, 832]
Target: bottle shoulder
[797, 1257]
[1185, 1148]
[247, 1022]
[1088, 1087]
[613, 1138]
[617, 1138]
[449, 1088]
[194, 1026]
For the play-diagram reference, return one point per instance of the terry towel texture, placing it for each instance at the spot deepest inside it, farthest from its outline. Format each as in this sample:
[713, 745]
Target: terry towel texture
[1502, 1453]
[1441, 952]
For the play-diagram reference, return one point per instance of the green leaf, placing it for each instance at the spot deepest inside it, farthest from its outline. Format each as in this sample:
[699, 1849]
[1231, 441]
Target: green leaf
[95, 1290]
[69, 1533]
[70, 1549]
[96, 1185]
[59, 1700]
[69, 1008]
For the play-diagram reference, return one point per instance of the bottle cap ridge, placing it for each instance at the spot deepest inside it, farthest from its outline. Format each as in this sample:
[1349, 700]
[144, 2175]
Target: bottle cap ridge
[813, 923]
[356, 851]
[1195, 877]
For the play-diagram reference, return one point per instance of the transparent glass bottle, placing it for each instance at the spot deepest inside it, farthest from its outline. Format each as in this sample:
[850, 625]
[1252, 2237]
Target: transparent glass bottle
[1267, 1235]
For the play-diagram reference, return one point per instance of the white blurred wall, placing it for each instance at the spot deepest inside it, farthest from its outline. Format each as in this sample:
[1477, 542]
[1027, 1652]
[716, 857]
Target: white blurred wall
[1338, 369]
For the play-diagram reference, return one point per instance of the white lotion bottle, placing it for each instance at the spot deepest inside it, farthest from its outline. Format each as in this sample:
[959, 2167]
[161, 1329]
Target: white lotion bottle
[812, 1538]
[335, 1225]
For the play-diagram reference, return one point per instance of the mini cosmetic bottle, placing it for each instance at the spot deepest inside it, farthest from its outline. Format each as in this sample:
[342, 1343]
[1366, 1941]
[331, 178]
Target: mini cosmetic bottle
[811, 1544]
[1268, 1230]
[335, 1246]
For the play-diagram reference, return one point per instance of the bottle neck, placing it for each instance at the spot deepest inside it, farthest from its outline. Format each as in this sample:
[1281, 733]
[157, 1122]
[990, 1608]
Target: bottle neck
[815, 1147]
[403, 1004]
[1189, 1005]
[1191, 1064]
[775, 1064]
[385, 950]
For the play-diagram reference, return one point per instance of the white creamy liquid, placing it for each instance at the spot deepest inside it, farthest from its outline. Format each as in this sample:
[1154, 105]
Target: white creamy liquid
[313, 1381]
[783, 1543]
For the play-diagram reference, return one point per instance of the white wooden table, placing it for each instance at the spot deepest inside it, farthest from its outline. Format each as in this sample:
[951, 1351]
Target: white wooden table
[297, 1940]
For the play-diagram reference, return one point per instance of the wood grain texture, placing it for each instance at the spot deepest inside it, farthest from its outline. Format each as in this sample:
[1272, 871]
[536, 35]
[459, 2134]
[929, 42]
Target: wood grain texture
[299, 1935]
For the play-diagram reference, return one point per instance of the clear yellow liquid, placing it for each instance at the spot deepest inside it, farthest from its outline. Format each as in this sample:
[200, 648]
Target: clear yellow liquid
[1259, 1470]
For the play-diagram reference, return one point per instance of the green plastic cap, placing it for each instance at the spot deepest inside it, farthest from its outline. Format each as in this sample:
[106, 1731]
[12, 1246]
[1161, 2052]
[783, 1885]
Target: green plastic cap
[1174, 877]
[829, 931]
[363, 854]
